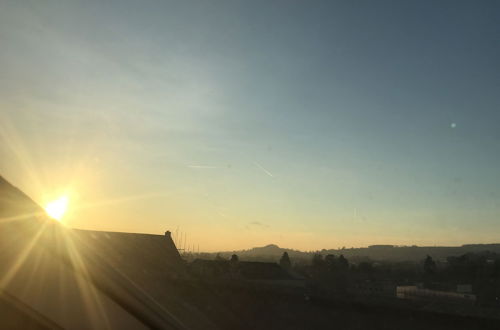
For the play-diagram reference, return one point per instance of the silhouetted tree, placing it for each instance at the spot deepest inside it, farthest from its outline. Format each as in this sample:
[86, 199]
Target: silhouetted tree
[218, 257]
[330, 262]
[234, 265]
[429, 265]
[317, 261]
[317, 266]
[343, 262]
[285, 262]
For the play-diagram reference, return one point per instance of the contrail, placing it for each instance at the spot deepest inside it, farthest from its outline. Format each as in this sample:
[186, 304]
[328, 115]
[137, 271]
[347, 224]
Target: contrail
[263, 169]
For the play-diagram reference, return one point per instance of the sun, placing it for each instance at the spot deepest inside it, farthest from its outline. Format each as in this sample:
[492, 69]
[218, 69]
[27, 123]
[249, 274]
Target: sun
[56, 208]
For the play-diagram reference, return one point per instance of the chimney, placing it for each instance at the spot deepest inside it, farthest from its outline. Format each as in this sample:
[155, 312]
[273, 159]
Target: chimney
[168, 234]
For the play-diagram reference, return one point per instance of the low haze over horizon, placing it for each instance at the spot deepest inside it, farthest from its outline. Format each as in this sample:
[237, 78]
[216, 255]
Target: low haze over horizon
[309, 125]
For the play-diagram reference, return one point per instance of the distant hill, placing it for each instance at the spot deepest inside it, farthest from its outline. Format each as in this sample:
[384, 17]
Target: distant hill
[269, 250]
[273, 252]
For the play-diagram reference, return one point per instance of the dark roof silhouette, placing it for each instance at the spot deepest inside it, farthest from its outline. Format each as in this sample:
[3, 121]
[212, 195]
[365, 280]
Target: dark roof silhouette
[15, 205]
[135, 254]
[87, 279]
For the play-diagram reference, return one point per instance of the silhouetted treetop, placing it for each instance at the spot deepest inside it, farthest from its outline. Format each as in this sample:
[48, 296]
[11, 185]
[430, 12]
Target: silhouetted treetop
[285, 262]
[343, 262]
[429, 265]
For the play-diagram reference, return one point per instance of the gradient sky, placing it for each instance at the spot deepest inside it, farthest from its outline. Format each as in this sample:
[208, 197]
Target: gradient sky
[309, 124]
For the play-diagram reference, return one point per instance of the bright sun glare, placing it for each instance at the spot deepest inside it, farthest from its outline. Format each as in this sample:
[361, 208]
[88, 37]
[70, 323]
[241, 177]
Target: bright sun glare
[57, 208]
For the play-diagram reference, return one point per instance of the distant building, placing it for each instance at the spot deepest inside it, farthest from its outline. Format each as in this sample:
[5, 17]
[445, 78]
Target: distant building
[210, 268]
[374, 288]
[414, 293]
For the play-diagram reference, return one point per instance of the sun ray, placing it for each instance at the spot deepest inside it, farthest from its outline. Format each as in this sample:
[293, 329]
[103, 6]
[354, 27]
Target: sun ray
[21, 258]
[89, 292]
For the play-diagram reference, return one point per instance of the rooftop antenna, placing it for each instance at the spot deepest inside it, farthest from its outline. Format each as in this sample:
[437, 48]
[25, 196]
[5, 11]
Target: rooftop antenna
[179, 247]
[185, 242]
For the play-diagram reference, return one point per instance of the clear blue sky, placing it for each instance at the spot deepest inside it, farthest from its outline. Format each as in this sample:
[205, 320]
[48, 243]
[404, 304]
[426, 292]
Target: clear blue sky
[308, 124]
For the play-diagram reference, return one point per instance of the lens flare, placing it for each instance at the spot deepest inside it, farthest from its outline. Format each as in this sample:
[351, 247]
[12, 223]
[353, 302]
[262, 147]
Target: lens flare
[57, 208]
